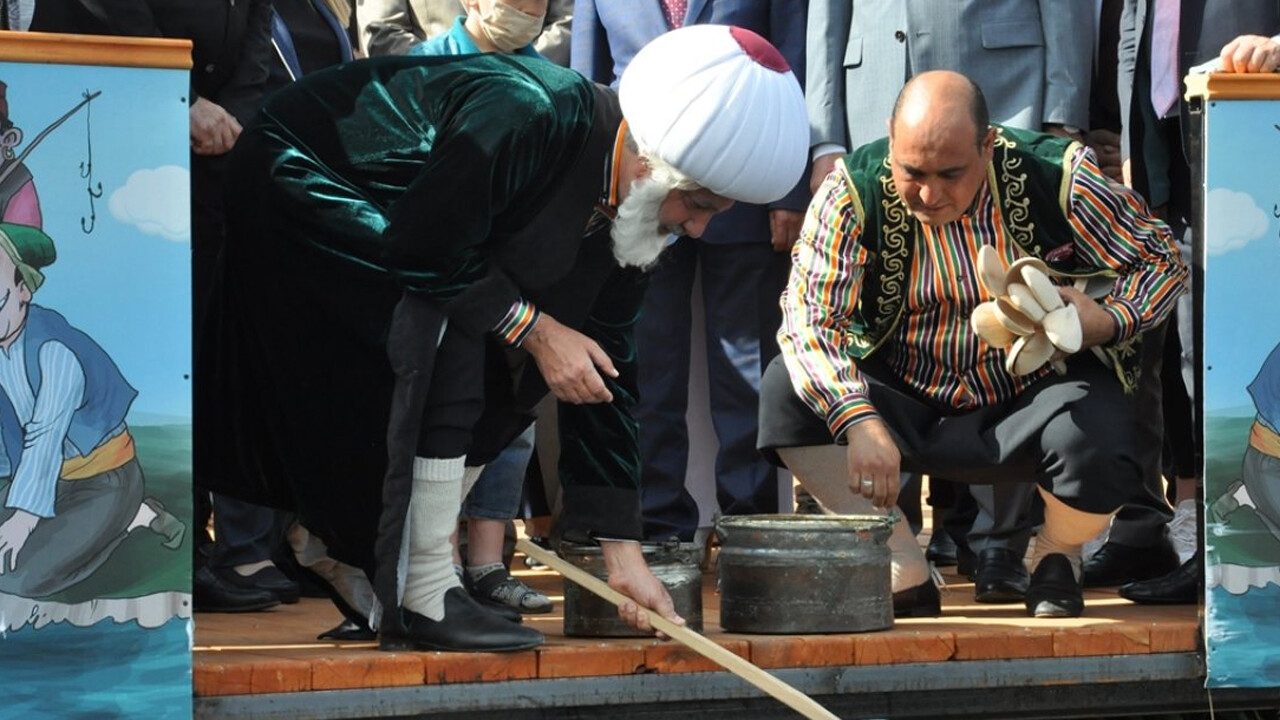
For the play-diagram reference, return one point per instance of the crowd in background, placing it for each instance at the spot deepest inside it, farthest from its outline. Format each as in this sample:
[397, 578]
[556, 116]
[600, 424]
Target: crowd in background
[1104, 73]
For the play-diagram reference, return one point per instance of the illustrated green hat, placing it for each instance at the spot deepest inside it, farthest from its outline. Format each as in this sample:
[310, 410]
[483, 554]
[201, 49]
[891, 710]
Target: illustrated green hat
[30, 249]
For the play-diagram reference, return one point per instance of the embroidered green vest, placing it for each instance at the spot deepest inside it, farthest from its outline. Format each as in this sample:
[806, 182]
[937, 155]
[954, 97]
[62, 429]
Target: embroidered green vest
[1028, 181]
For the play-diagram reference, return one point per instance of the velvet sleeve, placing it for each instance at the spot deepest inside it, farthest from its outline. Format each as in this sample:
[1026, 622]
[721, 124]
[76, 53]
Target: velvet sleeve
[599, 447]
[499, 147]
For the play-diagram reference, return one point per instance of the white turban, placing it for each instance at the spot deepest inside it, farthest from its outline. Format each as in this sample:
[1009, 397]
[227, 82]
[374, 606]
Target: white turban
[720, 105]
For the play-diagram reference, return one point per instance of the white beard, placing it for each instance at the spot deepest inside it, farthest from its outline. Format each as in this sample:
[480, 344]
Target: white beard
[638, 235]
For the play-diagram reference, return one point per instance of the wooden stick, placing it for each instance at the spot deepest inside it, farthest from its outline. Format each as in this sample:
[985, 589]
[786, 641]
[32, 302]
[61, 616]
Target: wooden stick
[762, 680]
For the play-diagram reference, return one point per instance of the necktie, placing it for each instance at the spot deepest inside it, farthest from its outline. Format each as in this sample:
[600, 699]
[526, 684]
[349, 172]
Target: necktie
[673, 11]
[1165, 82]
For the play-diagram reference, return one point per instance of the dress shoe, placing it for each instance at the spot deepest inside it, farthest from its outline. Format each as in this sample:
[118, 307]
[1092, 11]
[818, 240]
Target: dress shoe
[210, 593]
[1001, 577]
[1054, 590]
[500, 590]
[348, 629]
[923, 600]
[1180, 587]
[268, 578]
[466, 626]
[1116, 564]
[941, 550]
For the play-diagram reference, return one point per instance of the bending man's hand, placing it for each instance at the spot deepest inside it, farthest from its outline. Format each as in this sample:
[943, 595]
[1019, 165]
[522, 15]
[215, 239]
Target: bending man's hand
[568, 360]
[874, 462]
[13, 536]
[630, 575]
[213, 129]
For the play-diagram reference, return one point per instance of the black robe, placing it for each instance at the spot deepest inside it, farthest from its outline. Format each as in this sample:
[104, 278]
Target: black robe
[465, 180]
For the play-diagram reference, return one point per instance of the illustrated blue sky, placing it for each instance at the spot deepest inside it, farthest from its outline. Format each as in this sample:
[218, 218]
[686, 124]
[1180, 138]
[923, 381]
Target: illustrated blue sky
[1242, 302]
[127, 282]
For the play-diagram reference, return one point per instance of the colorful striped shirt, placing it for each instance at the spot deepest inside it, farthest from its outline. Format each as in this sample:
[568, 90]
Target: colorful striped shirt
[932, 349]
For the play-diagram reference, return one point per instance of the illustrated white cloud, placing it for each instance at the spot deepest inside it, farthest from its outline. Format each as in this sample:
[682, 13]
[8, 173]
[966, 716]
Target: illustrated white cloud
[157, 201]
[1234, 220]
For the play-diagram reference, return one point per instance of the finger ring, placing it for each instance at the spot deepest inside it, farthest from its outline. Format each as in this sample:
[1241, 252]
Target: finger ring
[868, 483]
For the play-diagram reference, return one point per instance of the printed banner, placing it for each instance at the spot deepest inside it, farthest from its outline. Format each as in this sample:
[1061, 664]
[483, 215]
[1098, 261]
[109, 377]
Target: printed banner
[95, 408]
[1242, 392]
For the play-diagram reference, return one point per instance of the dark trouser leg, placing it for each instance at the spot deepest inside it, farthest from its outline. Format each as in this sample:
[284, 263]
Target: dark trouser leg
[736, 278]
[436, 401]
[1049, 434]
[662, 352]
[247, 533]
[1141, 522]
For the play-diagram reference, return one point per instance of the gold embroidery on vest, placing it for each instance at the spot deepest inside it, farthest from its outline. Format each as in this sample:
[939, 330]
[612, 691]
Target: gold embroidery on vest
[1017, 206]
[893, 254]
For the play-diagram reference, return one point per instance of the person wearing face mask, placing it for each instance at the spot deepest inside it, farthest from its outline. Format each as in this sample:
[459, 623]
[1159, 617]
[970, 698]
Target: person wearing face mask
[491, 26]
[494, 500]
[394, 215]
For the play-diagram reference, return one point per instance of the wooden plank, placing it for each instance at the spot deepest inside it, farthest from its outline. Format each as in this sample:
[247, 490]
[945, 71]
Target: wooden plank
[244, 673]
[672, 657]
[366, 669]
[891, 648]
[1234, 86]
[1125, 638]
[984, 642]
[447, 667]
[791, 651]
[60, 49]
[762, 680]
[596, 659]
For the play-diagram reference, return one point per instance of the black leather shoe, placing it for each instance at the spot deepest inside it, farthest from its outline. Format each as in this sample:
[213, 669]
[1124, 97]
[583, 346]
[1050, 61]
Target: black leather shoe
[923, 600]
[1001, 577]
[268, 579]
[1054, 590]
[209, 593]
[1180, 587]
[348, 630]
[466, 626]
[1116, 564]
[941, 550]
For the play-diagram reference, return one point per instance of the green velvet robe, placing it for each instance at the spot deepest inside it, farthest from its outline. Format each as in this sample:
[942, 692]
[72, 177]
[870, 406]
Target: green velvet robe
[468, 180]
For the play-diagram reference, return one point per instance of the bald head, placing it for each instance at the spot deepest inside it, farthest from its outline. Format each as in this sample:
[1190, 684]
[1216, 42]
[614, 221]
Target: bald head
[936, 102]
[939, 146]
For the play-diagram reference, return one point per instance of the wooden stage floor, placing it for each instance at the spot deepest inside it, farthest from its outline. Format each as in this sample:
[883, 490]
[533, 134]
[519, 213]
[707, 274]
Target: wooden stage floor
[270, 664]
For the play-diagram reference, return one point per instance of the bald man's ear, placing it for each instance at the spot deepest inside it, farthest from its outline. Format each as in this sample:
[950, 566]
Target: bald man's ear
[989, 142]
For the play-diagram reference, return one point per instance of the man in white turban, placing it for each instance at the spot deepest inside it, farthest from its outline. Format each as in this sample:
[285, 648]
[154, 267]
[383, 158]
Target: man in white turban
[453, 215]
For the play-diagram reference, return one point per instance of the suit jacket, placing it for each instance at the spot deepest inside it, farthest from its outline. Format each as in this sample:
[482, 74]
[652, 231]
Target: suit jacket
[231, 41]
[1032, 59]
[1204, 28]
[607, 34]
[391, 27]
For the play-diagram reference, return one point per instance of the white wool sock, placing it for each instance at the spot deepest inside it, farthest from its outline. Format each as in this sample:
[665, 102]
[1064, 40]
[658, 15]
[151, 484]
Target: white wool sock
[1065, 531]
[426, 553]
[469, 478]
[824, 471]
